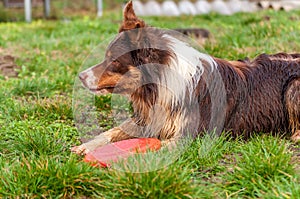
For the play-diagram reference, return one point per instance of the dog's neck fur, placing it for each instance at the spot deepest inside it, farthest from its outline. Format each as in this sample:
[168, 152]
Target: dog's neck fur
[172, 91]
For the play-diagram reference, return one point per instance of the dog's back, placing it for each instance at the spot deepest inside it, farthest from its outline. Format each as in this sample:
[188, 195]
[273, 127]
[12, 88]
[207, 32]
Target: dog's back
[262, 95]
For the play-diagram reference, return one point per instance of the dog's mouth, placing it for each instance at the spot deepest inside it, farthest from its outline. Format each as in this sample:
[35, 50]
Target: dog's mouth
[102, 90]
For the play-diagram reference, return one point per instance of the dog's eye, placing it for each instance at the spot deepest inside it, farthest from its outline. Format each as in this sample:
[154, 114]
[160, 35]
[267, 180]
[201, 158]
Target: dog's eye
[115, 62]
[114, 66]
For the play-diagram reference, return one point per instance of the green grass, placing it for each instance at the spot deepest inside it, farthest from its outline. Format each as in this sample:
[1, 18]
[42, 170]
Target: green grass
[37, 125]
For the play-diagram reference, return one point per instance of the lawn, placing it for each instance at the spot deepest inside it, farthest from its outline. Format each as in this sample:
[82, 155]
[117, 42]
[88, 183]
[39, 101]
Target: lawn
[37, 125]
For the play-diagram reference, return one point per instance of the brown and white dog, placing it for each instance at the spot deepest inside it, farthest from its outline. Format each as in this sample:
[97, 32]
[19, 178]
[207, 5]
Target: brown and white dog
[176, 90]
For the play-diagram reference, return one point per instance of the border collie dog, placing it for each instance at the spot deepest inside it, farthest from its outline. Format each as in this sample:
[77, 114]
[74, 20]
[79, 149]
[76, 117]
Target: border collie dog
[176, 91]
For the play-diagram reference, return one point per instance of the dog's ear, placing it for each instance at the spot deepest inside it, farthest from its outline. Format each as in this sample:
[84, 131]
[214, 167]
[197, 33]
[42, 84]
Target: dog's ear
[128, 12]
[130, 20]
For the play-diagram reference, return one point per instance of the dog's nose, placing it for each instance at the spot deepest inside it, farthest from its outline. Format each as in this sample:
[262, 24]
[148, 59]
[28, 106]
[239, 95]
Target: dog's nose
[82, 76]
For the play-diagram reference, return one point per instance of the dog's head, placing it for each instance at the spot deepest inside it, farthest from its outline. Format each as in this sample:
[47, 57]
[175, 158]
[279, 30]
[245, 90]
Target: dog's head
[134, 46]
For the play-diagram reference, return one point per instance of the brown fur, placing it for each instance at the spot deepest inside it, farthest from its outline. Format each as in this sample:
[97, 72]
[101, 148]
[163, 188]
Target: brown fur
[260, 92]
[262, 95]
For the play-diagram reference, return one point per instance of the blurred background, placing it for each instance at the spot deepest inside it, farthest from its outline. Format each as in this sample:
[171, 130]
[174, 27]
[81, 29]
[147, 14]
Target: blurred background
[13, 10]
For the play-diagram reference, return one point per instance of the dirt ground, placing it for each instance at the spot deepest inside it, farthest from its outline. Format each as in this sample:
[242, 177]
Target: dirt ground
[8, 66]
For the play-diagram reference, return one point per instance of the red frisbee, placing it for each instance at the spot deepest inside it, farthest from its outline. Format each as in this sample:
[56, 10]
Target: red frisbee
[113, 152]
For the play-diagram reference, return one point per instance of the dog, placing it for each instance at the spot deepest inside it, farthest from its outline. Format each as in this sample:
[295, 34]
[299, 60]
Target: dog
[177, 91]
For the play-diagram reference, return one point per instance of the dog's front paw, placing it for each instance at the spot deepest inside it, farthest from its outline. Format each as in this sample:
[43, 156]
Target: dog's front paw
[80, 150]
[87, 147]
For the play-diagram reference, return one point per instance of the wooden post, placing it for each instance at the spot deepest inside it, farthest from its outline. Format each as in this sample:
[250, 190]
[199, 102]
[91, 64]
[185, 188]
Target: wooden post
[99, 8]
[27, 8]
[47, 8]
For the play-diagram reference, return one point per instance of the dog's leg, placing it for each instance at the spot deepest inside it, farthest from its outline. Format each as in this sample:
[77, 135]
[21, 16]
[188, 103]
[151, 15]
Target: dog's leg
[112, 135]
[293, 107]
